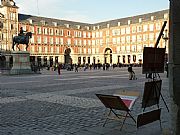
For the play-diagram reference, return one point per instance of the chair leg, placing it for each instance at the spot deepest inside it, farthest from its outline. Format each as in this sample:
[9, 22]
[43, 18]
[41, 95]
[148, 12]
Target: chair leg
[124, 121]
[107, 118]
[132, 117]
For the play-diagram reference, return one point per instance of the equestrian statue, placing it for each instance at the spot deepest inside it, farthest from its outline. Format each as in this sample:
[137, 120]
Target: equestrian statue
[21, 39]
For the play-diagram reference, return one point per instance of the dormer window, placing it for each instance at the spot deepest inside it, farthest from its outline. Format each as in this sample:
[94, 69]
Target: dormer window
[67, 25]
[87, 27]
[43, 22]
[98, 27]
[107, 25]
[30, 21]
[94, 27]
[140, 20]
[129, 22]
[119, 23]
[152, 18]
[55, 24]
[78, 26]
[166, 16]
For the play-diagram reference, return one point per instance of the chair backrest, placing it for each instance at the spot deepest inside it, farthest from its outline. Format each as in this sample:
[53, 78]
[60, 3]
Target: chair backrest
[112, 102]
[148, 117]
[151, 94]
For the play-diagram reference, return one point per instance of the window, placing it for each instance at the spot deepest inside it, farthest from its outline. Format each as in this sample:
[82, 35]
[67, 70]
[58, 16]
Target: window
[118, 40]
[123, 48]
[158, 26]
[139, 48]
[128, 48]
[101, 42]
[114, 41]
[133, 48]
[32, 29]
[40, 49]
[89, 35]
[51, 40]
[61, 41]
[61, 32]
[39, 40]
[100, 34]
[134, 29]
[93, 42]
[89, 42]
[57, 40]
[56, 32]
[151, 27]
[93, 35]
[51, 31]
[57, 49]
[84, 34]
[69, 41]
[139, 29]
[79, 33]
[107, 41]
[84, 42]
[145, 28]
[139, 38]
[45, 40]
[52, 49]
[32, 39]
[45, 31]
[128, 30]
[151, 36]
[45, 49]
[134, 38]
[75, 42]
[128, 39]
[107, 33]
[97, 34]
[123, 31]
[39, 30]
[123, 39]
[145, 37]
[68, 33]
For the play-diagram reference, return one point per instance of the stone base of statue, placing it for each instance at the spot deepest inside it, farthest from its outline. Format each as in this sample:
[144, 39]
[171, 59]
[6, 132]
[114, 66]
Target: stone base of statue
[21, 63]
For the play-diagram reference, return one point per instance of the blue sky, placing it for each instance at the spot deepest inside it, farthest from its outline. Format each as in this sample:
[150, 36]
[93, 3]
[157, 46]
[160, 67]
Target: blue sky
[89, 11]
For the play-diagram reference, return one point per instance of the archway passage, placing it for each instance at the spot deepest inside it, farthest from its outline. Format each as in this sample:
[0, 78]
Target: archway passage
[108, 56]
[67, 56]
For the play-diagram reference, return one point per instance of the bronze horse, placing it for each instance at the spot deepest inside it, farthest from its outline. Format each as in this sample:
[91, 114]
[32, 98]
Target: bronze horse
[21, 40]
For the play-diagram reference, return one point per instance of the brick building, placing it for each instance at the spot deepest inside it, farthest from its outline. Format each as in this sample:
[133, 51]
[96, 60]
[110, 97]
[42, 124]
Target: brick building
[62, 41]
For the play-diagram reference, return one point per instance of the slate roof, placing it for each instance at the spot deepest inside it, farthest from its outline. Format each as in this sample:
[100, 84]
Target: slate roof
[112, 23]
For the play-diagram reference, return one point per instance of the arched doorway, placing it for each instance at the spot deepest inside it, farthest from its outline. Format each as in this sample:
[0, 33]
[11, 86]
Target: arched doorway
[108, 56]
[67, 56]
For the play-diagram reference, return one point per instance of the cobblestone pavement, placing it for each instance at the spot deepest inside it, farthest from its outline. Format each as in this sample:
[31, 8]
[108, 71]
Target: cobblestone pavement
[52, 104]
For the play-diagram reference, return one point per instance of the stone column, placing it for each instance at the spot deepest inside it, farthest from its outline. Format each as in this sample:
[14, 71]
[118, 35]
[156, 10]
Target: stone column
[174, 64]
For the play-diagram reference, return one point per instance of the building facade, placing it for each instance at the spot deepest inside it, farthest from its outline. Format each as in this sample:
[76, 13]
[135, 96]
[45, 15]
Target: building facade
[62, 41]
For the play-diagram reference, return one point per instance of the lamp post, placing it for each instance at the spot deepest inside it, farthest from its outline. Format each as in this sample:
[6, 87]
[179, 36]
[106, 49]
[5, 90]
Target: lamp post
[165, 37]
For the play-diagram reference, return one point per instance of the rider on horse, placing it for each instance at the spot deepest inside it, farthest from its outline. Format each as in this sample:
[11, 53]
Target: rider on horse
[21, 32]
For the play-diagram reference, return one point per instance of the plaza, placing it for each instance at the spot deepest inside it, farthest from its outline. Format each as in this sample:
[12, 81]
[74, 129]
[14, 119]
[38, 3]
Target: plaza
[52, 104]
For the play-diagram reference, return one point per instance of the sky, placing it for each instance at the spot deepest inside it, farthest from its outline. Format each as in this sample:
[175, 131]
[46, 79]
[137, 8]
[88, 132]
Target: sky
[89, 11]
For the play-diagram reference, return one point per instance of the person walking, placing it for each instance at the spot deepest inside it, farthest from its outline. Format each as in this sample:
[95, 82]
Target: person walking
[59, 69]
[131, 73]
[76, 68]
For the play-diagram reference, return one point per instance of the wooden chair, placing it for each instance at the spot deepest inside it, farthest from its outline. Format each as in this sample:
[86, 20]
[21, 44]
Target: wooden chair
[115, 103]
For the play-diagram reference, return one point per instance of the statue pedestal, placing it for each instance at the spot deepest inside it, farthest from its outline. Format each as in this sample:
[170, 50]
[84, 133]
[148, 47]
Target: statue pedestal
[21, 63]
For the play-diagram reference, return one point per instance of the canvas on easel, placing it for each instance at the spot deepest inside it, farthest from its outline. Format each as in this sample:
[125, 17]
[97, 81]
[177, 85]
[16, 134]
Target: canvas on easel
[152, 92]
[153, 60]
